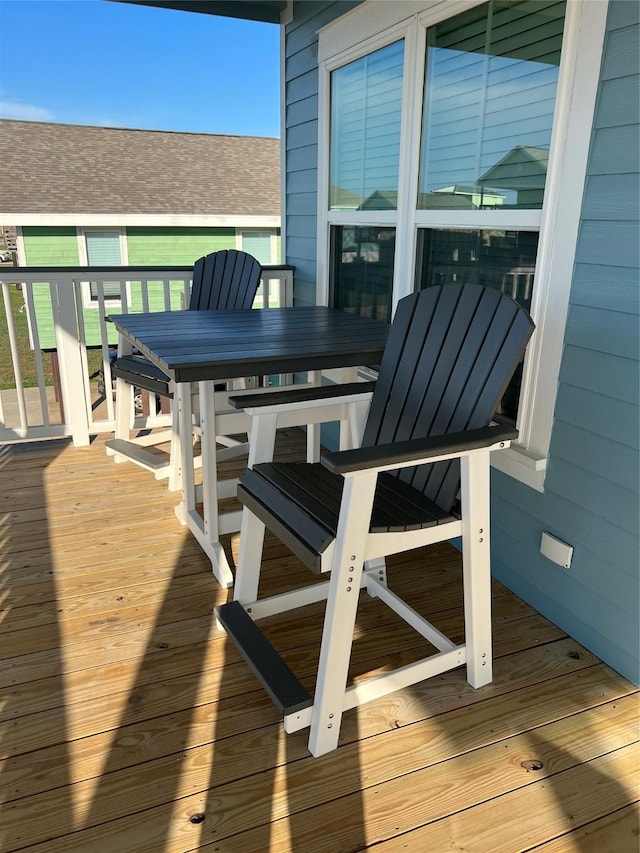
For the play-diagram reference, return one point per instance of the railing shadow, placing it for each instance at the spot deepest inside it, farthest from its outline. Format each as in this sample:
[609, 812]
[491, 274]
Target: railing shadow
[185, 751]
[32, 670]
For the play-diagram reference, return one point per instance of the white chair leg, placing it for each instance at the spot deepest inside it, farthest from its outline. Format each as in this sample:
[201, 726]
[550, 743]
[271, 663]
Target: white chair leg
[340, 615]
[175, 453]
[124, 409]
[249, 559]
[476, 568]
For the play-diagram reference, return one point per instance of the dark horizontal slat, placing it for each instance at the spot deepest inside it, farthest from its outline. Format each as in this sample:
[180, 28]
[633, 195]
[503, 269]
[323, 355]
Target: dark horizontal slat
[398, 507]
[302, 395]
[139, 371]
[415, 449]
[300, 504]
[286, 691]
[300, 533]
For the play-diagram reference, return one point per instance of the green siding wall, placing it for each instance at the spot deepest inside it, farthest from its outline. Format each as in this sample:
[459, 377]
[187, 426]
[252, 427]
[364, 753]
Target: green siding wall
[155, 246]
[50, 247]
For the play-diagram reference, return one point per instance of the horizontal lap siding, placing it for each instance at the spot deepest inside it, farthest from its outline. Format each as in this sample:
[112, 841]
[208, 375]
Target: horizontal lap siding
[591, 489]
[172, 246]
[301, 138]
[176, 246]
[48, 247]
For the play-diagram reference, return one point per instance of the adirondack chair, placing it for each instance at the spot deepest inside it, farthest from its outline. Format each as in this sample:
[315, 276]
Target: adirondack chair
[427, 439]
[224, 280]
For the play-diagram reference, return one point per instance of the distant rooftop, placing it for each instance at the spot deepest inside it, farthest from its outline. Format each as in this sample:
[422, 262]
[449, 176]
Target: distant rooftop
[66, 169]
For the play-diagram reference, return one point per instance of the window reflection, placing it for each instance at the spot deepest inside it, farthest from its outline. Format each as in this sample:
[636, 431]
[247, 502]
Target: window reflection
[366, 104]
[504, 260]
[491, 76]
[362, 270]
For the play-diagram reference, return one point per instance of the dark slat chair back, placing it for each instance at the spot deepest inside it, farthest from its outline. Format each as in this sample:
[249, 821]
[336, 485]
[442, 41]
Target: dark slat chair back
[449, 380]
[224, 280]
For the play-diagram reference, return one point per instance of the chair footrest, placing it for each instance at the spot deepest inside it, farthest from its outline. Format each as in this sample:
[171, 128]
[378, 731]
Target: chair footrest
[281, 684]
[135, 453]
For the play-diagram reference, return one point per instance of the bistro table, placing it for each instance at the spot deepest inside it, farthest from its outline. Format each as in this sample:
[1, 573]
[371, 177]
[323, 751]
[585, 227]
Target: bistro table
[212, 346]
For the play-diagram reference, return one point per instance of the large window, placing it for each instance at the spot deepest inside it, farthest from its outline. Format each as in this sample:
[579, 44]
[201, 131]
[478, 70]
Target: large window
[454, 154]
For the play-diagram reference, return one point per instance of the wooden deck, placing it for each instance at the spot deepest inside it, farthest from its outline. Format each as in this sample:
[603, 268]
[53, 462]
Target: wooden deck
[129, 725]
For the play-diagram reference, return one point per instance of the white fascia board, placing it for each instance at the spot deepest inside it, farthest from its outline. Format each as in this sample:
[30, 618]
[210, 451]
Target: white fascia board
[121, 220]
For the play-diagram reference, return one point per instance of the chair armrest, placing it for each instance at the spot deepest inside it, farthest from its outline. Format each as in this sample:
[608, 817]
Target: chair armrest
[402, 454]
[302, 396]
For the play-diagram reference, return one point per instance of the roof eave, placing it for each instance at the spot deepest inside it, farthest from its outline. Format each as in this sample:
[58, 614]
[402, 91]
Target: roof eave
[267, 11]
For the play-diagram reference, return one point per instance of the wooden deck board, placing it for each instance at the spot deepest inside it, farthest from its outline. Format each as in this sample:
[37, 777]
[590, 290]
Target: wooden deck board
[129, 723]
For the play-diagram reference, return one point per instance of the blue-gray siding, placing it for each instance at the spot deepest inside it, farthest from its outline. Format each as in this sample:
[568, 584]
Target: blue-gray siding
[301, 139]
[591, 490]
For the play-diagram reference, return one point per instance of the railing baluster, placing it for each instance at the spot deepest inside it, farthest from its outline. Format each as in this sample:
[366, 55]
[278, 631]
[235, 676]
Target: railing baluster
[145, 295]
[15, 357]
[37, 352]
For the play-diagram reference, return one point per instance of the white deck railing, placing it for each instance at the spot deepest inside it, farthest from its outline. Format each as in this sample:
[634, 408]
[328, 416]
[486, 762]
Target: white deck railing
[66, 310]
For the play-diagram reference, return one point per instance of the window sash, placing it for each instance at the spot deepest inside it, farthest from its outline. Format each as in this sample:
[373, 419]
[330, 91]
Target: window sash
[476, 131]
[366, 106]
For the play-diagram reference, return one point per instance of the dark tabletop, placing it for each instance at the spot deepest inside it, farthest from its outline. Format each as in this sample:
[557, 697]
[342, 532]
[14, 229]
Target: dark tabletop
[201, 345]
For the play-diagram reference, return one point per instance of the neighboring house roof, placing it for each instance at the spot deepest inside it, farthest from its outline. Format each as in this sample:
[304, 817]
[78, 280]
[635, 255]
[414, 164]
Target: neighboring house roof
[523, 167]
[76, 169]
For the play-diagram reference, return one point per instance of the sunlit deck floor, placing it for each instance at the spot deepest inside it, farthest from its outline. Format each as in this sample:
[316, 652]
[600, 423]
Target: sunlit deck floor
[130, 725]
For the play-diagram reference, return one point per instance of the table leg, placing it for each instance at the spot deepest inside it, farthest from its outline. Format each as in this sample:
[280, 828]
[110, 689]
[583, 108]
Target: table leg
[204, 527]
[314, 430]
[124, 401]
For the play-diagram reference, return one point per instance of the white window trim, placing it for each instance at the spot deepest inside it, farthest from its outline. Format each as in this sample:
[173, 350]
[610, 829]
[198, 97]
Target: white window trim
[373, 25]
[87, 300]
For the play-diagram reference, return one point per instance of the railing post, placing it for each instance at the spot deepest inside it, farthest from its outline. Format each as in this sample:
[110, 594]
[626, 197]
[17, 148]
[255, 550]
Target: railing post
[286, 288]
[72, 374]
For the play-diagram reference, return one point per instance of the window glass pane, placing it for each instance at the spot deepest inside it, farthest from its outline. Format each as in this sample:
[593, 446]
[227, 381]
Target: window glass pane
[490, 87]
[501, 259]
[258, 244]
[366, 103]
[362, 270]
[103, 250]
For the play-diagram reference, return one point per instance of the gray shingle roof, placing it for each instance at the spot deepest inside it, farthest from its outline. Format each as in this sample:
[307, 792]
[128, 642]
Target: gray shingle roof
[63, 168]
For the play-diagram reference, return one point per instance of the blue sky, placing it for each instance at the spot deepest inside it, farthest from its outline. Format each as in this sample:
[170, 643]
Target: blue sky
[112, 64]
